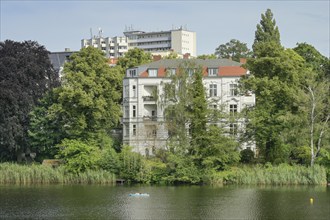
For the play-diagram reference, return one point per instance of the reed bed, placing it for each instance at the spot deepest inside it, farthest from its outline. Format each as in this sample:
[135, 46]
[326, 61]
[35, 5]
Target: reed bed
[11, 173]
[283, 174]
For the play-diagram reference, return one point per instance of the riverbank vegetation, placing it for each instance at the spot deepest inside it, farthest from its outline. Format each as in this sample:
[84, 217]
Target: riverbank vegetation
[73, 119]
[11, 173]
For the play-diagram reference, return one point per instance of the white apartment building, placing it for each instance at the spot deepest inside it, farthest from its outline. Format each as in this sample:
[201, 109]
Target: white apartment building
[162, 42]
[143, 120]
[157, 43]
[113, 47]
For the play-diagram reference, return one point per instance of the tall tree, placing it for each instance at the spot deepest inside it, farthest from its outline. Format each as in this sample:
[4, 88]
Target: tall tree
[276, 76]
[176, 99]
[267, 33]
[234, 49]
[199, 111]
[187, 118]
[86, 106]
[314, 99]
[25, 75]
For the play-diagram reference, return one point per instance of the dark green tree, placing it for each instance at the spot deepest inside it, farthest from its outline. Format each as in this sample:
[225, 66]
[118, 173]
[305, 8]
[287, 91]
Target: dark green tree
[234, 49]
[267, 33]
[25, 75]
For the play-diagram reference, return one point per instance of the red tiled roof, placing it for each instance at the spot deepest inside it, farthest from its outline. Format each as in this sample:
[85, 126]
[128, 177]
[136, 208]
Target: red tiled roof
[232, 71]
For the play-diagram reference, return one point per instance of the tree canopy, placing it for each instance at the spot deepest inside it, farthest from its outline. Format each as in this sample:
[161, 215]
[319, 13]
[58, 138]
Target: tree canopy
[134, 57]
[25, 75]
[233, 49]
[266, 32]
[86, 106]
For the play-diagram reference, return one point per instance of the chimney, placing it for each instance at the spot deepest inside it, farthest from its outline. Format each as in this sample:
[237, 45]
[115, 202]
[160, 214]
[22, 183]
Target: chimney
[242, 60]
[186, 56]
[156, 57]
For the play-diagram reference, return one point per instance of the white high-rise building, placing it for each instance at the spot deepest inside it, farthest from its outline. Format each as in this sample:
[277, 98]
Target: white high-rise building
[113, 47]
[144, 127]
[162, 42]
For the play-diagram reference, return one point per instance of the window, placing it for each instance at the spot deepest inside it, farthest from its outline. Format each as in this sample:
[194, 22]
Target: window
[152, 72]
[171, 72]
[134, 91]
[126, 109]
[213, 107]
[233, 129]
[213, 71]
[233, 109]
[134, 130]
[191, 71]
[154, 133]
[126, 130]
[131, 73]
[213, 90]
[233, 89]
[147, 152]
[126, 91]
[134, 111]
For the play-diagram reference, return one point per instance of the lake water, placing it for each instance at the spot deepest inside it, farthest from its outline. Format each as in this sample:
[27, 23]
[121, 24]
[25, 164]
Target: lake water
[165, 202]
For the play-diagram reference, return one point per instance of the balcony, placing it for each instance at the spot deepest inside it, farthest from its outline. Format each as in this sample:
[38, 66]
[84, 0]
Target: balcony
[149, 118]
[149, 98]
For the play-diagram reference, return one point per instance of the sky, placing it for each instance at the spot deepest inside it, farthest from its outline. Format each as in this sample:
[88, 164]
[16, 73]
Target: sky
[60, 24]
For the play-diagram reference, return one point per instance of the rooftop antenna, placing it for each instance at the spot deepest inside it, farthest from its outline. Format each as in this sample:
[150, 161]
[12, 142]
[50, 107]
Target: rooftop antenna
[100, 32]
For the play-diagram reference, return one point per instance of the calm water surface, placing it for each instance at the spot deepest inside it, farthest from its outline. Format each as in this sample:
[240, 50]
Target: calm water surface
[165, 202]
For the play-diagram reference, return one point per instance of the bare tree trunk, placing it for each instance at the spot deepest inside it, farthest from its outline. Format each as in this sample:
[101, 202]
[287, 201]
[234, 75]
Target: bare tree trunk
[312, 118]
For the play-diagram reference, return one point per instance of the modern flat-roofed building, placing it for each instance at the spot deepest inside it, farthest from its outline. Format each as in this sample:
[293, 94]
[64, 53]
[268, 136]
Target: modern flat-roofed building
[162, 43]
[144, 127]
[113, 47]
[178, 40]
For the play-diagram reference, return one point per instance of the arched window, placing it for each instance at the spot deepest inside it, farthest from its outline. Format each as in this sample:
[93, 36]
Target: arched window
[147, 152]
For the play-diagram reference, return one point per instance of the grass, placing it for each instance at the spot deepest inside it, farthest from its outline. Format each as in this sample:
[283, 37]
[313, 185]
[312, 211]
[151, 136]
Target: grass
[11, 173]
[283, 174]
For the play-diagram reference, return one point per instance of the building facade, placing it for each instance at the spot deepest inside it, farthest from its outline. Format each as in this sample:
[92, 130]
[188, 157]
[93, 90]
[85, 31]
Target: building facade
[143, 116]
[163, 42]
[113, 47]
[157, 43]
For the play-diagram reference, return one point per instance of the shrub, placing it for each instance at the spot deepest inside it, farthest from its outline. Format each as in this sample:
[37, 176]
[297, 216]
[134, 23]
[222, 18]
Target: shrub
[247, 156]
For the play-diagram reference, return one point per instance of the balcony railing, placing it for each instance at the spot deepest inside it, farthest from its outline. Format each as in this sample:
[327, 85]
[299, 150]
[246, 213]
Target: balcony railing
[149, 118]
[149, 98]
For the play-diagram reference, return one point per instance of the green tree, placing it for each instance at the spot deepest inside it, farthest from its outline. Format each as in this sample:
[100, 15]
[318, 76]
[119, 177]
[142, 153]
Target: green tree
[85, 107]
[267, 33]
[78, 156]
[276, 74]
[26, 74]
[191, 138]
[199, 112]
[234, 49]
[207, 56]
[134, 57]
[177, 101]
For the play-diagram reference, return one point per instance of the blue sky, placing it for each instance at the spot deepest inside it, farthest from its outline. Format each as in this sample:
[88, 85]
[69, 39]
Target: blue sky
[62, 24]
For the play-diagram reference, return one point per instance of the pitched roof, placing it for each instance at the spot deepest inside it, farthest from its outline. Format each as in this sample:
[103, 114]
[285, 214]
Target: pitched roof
[225, 67]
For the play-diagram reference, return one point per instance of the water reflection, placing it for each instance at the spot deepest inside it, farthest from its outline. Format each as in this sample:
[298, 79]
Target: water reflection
[183, 202]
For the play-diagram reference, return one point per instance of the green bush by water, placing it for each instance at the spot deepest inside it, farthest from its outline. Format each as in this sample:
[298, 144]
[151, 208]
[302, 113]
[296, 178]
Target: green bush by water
[38, 174]
[282, 174]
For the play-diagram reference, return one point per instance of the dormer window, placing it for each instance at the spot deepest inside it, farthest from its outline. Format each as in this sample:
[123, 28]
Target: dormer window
[171, 72]
[132, 73]
[153, 72]
[213, 71]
